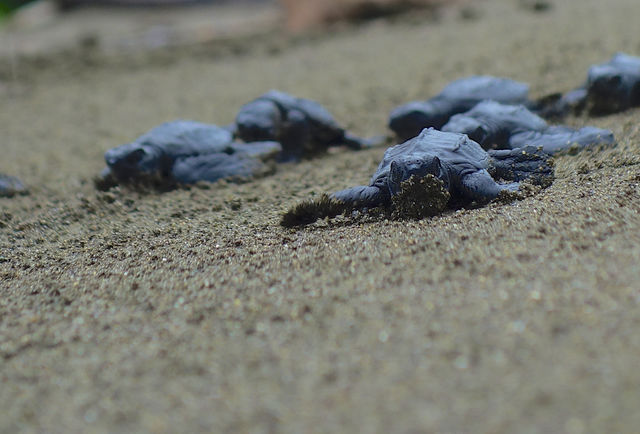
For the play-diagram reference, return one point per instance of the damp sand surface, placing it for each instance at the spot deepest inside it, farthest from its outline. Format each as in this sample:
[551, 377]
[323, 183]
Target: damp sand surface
[193, 310]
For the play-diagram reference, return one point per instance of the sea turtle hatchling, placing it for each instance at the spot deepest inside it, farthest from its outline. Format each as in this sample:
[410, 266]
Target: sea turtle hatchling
[610, 87]
[458, 96]
[615, 85]
[500, 126]
[303, 127]
[463, 172]
[11, 186]
[186, 152]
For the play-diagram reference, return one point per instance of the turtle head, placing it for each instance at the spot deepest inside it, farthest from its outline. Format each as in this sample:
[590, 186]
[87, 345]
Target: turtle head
[473, 128]
[132, 159]
[608, 89]
[408, 120]
[259, 120]
[404, 168]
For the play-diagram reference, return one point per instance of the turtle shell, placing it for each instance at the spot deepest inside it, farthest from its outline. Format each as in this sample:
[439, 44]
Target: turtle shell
[183, 138]
[484, 87]
[458, 96]
[491, 123]
[456, 151]
[324, 126]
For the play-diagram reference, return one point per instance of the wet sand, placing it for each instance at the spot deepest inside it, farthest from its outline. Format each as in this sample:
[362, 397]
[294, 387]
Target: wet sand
[193, 310]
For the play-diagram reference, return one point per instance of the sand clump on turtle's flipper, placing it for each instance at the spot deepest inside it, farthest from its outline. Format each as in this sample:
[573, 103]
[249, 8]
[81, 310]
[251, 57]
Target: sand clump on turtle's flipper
[309, 211]
[526, 189]
[510, 167]
[420, 197]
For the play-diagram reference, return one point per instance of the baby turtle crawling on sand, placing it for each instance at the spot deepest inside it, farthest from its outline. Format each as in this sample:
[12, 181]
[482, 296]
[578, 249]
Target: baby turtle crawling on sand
[458, 96]
[275, 126]
[443, 169]
[186, 152]
[499, 126]
[10, 186]
[610, 87]
[303, 127]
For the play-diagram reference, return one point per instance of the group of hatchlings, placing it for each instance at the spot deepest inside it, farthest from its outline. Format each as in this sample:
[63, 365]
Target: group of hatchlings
[478, 139]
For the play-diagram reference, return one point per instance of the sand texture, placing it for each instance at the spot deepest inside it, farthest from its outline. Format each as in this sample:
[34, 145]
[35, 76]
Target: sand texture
[194, 311]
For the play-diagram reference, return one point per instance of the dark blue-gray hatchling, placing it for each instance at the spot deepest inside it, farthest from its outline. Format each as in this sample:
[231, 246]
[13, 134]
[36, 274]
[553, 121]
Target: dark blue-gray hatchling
[610, 87]
[303, 127]
[464, 172]
[11, 186]
[500, 126]
[186, 152]
[458, 96]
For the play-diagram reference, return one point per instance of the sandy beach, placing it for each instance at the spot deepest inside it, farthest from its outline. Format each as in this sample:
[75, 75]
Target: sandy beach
[194, 311]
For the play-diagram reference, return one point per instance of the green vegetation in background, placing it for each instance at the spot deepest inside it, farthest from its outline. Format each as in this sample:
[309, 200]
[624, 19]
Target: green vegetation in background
[8, 6]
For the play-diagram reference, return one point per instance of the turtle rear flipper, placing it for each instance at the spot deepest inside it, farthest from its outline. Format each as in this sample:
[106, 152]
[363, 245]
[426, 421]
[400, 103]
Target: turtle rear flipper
[479, 186]
[561, 138]
[212, 167]
[528, 163]
[264, 151]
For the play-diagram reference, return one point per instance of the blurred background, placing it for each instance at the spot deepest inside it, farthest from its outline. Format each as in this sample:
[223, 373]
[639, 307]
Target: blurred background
[44, 27]
[36, 27]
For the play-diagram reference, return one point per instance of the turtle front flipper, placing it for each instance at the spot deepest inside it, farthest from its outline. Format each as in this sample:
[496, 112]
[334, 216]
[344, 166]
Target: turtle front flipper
[480, 186]
[340, 202]
[265, 151]
[530, 163]
[362, 197]
[357, 143]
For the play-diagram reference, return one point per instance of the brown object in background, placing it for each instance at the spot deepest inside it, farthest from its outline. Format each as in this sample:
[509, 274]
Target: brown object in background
[306, 14]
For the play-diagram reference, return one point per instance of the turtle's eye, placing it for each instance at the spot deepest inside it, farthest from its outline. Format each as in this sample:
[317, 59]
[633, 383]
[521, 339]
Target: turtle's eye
[435, 168]
[607, 83]
[615, 81]
[135, 156]
[120, 157]
[398, 172]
